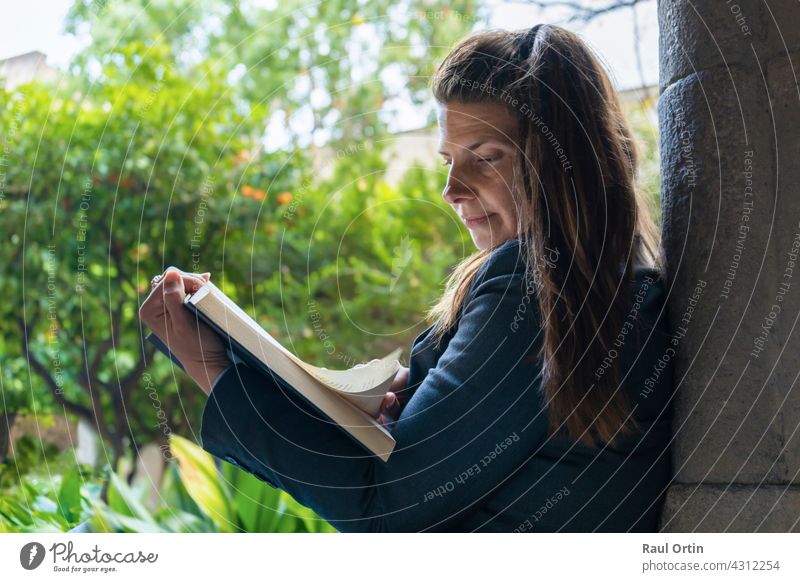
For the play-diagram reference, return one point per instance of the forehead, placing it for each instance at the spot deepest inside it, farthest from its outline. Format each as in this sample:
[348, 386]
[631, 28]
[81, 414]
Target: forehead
[459, 122]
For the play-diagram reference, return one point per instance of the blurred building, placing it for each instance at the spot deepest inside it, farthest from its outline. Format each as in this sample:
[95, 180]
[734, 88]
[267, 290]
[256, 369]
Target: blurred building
[25, 68]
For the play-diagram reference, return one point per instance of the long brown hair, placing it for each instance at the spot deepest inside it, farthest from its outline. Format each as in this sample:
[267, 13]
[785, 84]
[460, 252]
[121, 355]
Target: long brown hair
[582, 224]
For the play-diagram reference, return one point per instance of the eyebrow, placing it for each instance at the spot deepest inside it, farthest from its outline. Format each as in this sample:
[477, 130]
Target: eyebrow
[471, 147]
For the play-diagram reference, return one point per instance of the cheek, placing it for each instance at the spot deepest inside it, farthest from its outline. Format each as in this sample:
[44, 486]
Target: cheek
[499, 189]
[502, 171]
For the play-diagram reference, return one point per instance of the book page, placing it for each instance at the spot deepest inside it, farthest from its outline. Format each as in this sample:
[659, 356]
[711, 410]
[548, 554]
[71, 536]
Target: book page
[369, 380]
[359, 379]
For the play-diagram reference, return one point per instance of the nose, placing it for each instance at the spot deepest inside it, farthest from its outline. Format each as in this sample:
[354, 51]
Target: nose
[456, 188]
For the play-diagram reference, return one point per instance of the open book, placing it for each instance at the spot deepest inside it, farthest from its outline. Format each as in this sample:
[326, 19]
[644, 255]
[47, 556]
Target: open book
[350, 398]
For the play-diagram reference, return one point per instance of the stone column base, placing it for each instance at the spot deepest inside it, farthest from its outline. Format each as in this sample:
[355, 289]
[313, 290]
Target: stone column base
[705, 507]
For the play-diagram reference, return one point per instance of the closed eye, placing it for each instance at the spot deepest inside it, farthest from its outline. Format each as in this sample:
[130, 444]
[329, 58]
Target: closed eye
[488, 159]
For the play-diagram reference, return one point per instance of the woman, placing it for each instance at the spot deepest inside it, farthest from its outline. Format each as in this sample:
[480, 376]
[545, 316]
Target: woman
[536, 401]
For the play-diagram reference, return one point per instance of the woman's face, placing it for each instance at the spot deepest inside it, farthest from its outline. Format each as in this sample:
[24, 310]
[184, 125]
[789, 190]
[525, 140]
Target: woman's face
[478, 142]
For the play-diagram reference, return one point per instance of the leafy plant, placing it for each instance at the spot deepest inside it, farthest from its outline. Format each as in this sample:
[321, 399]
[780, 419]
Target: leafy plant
[195, 496]
[157, 148]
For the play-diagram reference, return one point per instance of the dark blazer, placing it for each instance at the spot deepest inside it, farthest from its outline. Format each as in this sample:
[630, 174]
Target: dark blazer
[472, 452]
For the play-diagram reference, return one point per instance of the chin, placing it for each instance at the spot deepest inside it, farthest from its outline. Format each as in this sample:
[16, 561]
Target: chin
[480, 242]
[484, 241]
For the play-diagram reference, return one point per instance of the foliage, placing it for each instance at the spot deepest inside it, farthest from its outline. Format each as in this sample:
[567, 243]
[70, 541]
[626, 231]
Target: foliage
[333, 69]
[159, 148]
[194, 497]
[645, 129]
[30, 454]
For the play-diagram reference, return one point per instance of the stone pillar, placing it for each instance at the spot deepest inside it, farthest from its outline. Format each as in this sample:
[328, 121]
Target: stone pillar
[729, 116]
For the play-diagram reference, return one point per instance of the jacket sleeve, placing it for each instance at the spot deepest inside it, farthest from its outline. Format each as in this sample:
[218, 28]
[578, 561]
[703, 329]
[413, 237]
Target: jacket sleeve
[476, 417]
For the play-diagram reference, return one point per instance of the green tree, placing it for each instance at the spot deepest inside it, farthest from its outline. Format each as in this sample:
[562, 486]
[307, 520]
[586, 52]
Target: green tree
[154, 151]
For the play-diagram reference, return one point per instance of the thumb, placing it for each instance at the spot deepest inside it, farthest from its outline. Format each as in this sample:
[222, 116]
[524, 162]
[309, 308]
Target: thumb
[390, 404]
[174, 291]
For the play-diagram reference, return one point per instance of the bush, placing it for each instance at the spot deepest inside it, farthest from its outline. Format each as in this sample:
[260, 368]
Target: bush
[195, 496]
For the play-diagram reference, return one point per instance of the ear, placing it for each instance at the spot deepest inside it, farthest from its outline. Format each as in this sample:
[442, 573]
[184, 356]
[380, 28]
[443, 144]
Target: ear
[205, 276]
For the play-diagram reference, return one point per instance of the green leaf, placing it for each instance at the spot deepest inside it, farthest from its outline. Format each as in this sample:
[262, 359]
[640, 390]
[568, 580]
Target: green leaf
[53, 518]
[184, 522]
[174, 494]
[123, 501]
[69, 495]
[306, 518]
[199, 476]
[42, 526]
[106, 520]
[14, 512]
[257, 503]
[99, 522]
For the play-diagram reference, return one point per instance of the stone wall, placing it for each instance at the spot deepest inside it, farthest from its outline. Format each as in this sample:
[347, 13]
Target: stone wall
[729, 117]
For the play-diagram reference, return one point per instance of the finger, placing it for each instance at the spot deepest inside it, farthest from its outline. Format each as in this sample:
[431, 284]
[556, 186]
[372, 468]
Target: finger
[394, 407]
[174, 292]
[191, 283]
[400, 384]
[386, 419]
[153, 305]
[390, 405]
[387, 400]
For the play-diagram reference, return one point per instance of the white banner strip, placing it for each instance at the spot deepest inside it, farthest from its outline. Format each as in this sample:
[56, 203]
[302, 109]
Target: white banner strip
[399, 557]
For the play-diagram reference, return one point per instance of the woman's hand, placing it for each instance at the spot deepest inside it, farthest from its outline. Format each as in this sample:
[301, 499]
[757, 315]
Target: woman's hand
[196, 345]
[392, 404]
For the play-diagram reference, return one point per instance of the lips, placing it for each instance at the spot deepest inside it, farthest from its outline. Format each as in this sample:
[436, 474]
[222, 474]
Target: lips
[477, 220]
